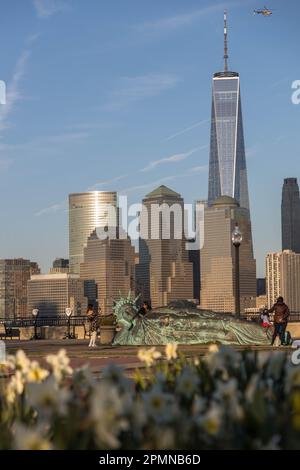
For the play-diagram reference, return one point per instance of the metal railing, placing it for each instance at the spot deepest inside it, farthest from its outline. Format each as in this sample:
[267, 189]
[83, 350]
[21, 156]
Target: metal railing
[46, 321]
[49, 321]
[294, 316]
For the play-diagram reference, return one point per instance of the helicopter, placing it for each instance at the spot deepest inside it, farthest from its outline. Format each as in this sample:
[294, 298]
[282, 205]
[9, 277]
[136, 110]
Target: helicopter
[265, 12]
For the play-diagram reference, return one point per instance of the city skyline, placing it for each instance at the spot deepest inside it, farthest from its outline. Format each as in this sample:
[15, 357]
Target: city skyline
[144, 103]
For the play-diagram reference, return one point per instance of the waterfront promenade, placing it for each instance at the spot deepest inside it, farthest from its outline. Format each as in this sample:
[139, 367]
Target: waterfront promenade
[97, 359]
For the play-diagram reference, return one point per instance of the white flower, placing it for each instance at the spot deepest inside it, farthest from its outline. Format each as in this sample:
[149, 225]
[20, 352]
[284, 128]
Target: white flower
[187, 383]
[212, 420]
[36, 373]
[106, 415]
[159, 406]
[116, 376]
[221, 360]
[47, 397]
[227, 395]
[60, 364]
[227, 390]
[149, 356]
[171, 351]
[19, 361]
[15, 386]
[30, 438]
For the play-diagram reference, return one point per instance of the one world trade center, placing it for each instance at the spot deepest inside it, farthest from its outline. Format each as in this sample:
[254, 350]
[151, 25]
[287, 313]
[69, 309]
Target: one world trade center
[227, 162]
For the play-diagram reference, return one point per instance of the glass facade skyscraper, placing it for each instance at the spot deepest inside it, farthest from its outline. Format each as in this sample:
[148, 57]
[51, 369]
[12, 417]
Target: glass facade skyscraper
[290, 215]
[87, 212]
[227, 163]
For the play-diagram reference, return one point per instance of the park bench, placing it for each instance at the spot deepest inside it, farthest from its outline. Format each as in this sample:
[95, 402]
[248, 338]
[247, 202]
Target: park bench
[11, 332]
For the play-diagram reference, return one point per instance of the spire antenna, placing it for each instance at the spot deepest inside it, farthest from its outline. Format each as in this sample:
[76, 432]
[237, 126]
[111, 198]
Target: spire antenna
[225, 43]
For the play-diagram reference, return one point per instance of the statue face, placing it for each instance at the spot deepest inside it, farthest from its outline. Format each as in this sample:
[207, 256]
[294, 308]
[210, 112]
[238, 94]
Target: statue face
[165, 320]
[125, 315]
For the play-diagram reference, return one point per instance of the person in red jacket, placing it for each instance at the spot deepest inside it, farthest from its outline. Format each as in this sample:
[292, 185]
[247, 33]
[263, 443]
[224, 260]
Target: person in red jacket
[281, 315]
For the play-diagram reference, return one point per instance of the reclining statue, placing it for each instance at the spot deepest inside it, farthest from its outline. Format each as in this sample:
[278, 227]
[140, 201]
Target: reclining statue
[182, 322]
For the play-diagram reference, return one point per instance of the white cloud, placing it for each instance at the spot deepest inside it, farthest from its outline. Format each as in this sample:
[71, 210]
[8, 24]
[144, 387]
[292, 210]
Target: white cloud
[172, 23]
[187, 129]
[151, 184]
[177, 157]
[107, 182]
[132, 89]
[197, 169]
[13, 93]
[64, 138]
[52, 209]
[13, 88]
[47, 8]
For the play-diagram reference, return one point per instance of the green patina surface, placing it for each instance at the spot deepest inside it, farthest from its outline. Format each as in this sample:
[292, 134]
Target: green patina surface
[182, 323]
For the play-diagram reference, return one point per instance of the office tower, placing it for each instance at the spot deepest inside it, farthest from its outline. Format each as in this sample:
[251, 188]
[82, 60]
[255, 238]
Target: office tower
[283, 278]
[217, 257]
[14, 274]
[261, 286]
[51, 294]
[111, 264]
[290, 215]
[227, 161]
[88, 211]
[165, 271]
[60, 265]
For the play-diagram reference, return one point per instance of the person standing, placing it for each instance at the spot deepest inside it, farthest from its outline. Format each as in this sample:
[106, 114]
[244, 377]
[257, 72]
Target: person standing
[281, 315]
[94, 321]
[145, 308]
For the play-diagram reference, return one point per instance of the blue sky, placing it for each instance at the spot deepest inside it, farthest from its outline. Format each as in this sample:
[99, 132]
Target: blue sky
[99, 91]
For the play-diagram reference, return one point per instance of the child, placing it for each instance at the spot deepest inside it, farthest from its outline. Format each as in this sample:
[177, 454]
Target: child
[265, 318]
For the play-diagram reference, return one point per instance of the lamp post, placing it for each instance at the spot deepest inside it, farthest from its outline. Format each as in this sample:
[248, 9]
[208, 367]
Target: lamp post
[69, 314]
[35, 314]
[237, 239]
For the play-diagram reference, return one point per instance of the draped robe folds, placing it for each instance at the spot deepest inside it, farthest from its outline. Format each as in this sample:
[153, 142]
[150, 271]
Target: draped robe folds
[166, 325]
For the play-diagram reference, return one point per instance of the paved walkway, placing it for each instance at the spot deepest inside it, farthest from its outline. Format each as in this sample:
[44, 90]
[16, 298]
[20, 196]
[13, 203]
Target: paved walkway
[100, 357]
